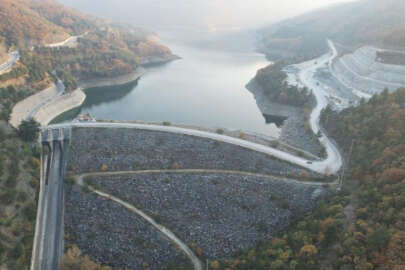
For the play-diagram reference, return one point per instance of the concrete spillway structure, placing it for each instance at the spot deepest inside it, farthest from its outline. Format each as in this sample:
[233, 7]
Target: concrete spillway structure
[48, 241]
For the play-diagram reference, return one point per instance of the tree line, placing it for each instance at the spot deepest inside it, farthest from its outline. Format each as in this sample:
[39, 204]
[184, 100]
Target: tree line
[373, 235]
[272, 80]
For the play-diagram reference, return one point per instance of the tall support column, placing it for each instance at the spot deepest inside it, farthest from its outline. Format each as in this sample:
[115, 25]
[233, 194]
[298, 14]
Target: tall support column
[48, 240]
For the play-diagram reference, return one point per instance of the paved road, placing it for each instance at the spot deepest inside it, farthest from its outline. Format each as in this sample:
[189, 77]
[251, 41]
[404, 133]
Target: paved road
[13, 58]
[317, 166]
[169, 234]
[60, 91]
[333, 162]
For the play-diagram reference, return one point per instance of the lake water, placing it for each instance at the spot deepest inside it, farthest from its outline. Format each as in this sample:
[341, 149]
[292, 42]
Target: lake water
[205, 88]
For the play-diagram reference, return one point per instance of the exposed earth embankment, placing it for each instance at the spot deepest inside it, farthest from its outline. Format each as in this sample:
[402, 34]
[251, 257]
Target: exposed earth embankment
[364, 71]
[294, 130]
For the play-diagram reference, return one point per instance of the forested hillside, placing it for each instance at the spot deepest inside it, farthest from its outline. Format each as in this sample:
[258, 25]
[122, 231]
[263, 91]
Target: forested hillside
[362, 227]
[271, 80]
[103, 49]
[25, 23]
[377, 131]
[19, 186]
[372, 22]
[22, 26]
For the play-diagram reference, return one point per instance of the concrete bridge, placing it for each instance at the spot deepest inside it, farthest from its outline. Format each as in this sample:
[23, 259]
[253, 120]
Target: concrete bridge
[48, 240]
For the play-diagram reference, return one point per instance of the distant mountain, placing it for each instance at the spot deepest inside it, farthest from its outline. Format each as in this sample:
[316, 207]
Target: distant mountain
[375, 22]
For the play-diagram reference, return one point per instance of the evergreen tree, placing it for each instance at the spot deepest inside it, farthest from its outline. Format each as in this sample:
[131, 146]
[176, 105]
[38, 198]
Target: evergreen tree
[28, 130]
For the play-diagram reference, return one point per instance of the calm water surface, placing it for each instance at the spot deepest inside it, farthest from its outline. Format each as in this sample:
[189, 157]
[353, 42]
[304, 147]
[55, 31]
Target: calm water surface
[205, 88]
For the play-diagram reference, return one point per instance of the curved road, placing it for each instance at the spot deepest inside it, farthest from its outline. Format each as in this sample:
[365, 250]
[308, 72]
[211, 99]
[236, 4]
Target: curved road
[70, 41]
[317, 166]
[208, 171]
[13, 58]
[355, 91]
[169, 234]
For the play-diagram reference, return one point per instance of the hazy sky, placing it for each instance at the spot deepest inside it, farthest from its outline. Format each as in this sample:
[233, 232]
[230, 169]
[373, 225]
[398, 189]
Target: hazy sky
[209, 14]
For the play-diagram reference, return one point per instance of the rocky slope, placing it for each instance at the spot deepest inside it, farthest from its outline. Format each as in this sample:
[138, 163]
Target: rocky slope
[364, 72]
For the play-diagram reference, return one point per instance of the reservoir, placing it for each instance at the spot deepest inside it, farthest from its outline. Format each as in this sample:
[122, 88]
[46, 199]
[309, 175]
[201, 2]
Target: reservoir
[206, 87]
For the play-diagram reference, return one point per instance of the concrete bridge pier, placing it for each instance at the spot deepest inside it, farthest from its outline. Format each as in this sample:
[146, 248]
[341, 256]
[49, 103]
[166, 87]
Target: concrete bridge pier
[48, 240]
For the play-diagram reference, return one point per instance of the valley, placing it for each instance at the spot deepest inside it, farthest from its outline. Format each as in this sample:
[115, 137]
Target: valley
[121, 150]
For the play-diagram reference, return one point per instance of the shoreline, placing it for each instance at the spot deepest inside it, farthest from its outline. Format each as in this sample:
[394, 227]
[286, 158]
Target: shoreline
[44, 109]
[113, 81]
[54, 108]
[51, 102]
[264, 104]
[293, 131]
